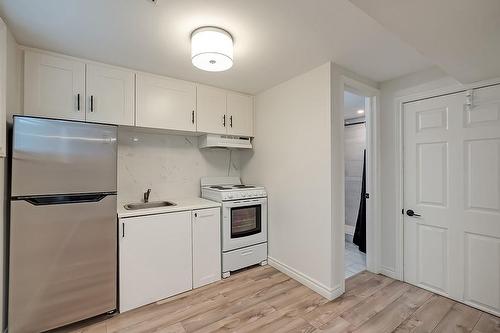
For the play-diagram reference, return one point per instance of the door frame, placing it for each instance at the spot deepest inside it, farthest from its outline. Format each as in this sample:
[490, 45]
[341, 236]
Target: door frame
[373, 211]
[399, 176]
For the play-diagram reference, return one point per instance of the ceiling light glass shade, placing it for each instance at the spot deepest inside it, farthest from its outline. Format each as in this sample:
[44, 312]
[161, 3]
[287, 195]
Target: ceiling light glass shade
[212, 49]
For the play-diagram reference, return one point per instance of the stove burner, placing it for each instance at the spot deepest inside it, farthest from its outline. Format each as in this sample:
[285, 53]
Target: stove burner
[218, 187]
[243, 186]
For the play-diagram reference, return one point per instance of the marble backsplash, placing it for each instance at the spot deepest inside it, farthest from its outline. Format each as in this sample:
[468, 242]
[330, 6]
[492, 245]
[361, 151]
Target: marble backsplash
[171, 165]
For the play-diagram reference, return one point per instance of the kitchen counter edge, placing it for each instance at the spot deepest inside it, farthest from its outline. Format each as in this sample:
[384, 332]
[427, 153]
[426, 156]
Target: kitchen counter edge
[184, 204]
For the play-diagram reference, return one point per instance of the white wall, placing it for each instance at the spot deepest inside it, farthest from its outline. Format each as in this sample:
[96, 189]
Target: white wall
[13, 105]
[339, 76]
[298, 156]
[424, 81]
[171, 165]
[292, 158]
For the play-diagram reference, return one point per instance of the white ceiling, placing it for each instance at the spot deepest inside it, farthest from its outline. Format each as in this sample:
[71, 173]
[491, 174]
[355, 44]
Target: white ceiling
[460, 36]
[274, 39]
[353, 103]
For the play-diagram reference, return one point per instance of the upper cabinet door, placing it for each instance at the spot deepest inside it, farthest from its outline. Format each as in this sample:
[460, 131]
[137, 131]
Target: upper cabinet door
[240, 114]
[110, 95]
[211, 109]
[165, 103]
[54, 87]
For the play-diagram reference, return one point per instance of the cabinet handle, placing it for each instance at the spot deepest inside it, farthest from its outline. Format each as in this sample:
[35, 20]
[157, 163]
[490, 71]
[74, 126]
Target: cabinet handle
[231, 121]
[224, 120]
[91, 103]
[123, 230]
[203, 215]
[78, 102]
[192, 116]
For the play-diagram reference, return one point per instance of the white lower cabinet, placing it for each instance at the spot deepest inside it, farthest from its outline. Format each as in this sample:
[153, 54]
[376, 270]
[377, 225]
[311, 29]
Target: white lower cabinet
[166, 254]
[206, 246]
[155, 258]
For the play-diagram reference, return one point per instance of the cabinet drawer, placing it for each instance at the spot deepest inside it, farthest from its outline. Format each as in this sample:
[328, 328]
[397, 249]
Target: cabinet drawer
[237, 259]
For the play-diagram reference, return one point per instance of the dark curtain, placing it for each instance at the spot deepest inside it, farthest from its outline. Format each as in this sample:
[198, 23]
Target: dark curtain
[360, 231]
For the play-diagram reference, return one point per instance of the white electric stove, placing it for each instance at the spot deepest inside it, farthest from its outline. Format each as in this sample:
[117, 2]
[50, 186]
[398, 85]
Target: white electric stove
[244, 221]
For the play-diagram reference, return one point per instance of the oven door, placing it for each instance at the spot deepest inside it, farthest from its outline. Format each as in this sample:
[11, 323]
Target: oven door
[244, 223]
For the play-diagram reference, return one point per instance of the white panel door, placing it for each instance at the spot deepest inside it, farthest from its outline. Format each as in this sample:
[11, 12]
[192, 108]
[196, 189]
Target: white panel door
[165, 103]
[428, 185]
[211, 110]
[206, 246]
[240, 114]
[452, 180]
[110, 95]
[54, 87]
[479, 199]
[155, 258]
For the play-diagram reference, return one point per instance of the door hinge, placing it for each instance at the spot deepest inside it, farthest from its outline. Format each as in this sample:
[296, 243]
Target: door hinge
[469, 99]
[403, 211]
[367, 195]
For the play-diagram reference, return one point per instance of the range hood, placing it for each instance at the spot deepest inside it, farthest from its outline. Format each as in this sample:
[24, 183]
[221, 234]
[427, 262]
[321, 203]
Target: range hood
[224, 141]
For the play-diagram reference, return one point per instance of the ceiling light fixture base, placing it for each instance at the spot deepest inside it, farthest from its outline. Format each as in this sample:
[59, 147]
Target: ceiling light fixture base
[211, 49]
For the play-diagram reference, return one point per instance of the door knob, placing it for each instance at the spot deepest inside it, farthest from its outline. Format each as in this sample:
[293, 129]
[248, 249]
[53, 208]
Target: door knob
[410, 212]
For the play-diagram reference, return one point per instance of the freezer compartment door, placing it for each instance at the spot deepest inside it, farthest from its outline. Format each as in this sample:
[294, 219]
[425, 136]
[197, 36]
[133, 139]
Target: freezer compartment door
[60, 157]
[63, 262]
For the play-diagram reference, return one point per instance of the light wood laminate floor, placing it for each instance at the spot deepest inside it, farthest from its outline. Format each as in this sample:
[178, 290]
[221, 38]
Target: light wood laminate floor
[264, 300]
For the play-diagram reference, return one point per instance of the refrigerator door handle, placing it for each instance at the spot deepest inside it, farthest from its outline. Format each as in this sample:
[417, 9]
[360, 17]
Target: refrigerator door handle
[64, 199]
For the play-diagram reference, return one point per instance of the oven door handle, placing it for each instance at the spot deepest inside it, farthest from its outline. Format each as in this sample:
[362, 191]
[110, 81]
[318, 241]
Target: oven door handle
[244, 203]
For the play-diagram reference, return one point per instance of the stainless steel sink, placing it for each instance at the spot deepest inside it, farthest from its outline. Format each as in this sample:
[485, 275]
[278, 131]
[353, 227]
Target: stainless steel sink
[146, 205]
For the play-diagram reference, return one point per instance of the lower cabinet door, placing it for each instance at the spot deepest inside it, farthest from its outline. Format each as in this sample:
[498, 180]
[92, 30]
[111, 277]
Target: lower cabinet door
[206, 246]
[155, 258]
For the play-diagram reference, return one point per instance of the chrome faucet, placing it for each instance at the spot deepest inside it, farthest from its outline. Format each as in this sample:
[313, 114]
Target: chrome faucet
[146, 195]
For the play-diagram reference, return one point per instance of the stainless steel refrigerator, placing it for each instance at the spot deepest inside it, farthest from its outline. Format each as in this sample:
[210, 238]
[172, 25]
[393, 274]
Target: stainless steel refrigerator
[63, 229]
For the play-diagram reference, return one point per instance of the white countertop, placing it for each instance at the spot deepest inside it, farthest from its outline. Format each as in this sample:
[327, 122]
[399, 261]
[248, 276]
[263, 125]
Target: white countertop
[182, 204]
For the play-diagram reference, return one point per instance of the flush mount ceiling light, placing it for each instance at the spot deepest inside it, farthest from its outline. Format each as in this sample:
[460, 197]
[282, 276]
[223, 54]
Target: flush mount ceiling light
[212, 49]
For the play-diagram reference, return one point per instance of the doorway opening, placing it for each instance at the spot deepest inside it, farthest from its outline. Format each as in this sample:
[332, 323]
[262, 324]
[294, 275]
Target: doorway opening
[355, 108]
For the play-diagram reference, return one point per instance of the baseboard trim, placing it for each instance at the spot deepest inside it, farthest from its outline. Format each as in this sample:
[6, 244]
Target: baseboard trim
[349, 229]
[389, 273]
[307, 281]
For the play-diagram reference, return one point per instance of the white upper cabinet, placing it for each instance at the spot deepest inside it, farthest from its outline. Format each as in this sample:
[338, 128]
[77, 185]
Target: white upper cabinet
[211, 109]
[63, 87]
[239, 114]
[224, 112]
[165, 103]
[54, 86]
[206, 246]
[110, 95]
